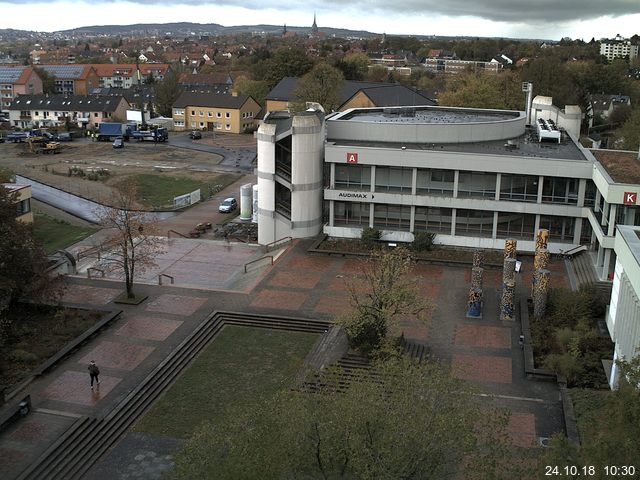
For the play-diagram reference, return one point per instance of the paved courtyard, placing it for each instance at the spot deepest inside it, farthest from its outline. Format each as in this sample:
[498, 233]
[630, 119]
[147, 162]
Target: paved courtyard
[210, 276]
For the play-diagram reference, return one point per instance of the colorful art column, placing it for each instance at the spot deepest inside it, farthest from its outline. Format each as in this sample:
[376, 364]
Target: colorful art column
[475, 303]
[541, 292]
[508, 280]
[507, 303]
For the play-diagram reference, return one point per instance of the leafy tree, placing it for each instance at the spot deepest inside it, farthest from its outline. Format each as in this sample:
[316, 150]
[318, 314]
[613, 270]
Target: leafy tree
[166, 93]
[370, 236]
[408, 420]
[23, 263]
[256, 89]
[131, 245]
[323, 85]
[483, 90]
[551, 78]
[286, 62]
[423, 241]
[629, 132]
[354, 66]
[610, 434]
[383, 292]
[48, 80]
[377, 73]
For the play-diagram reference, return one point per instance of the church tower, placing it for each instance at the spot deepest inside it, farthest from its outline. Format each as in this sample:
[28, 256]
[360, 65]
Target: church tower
[314, 27]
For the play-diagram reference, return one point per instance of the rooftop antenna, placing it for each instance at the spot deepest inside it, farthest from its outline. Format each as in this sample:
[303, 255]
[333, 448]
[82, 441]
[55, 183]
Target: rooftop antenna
[140, 91]
[527, 87]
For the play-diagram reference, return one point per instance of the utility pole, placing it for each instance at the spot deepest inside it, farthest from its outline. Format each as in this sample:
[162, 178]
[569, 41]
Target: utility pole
[139, 89]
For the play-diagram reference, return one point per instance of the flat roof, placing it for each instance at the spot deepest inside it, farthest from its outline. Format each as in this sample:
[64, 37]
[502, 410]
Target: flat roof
[14, 186]
[426, 115]
[526, 146]
[623, 166]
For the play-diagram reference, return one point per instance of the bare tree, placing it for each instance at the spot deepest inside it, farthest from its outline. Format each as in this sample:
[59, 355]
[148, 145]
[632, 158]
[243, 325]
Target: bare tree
[132, 242]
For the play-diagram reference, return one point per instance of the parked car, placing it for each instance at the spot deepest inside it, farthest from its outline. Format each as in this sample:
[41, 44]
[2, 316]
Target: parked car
[65, 137]
[118, 142]
[195, 135]
[228, 205]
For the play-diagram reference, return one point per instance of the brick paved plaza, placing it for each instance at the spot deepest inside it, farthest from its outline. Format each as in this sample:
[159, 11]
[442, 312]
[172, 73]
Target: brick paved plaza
[484, 351]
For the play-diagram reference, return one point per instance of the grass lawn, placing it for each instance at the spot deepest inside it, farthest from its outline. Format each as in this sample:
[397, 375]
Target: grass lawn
[159, 190]
[587, 404]
[56, 234]
[239, 366]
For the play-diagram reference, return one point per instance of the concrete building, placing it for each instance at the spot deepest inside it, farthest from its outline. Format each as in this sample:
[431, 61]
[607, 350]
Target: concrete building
[623, 317]
[17, 80]
[73, 79]
[569, 117]
[618, 48]
[450, 65]
[474, 177]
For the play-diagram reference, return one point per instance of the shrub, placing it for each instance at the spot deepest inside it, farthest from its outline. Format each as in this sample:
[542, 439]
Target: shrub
[370, 236]
[423, 241]
[23, 356]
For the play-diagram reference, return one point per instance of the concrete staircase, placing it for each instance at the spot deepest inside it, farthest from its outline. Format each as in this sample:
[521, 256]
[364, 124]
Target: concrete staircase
[586, 275]
[74, 453]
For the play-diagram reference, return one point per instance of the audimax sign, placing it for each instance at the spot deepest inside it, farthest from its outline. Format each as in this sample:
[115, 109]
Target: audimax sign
[363, 196]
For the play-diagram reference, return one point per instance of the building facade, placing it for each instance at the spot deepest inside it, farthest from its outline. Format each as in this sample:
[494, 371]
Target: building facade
[17, 80]
[73, 79]
[618, 48]
[23, 201]
[623, 316]
[474, 177]
[215, 112]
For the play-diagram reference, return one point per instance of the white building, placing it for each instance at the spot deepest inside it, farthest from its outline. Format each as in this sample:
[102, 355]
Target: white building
[474, 177]
[623, 318]
[618, 48]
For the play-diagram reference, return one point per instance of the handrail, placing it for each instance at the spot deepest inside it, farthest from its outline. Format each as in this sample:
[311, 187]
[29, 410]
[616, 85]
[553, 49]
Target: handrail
[89, 252]
[165, 275]
[96, 269]
[257, 260]
[266, 247]
[177, 233]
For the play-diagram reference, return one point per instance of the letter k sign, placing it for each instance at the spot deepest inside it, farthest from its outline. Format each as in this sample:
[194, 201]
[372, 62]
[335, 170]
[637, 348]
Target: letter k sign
[630, 198]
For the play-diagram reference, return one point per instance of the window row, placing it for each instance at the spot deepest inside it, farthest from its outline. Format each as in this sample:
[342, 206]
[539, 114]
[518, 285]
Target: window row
[468, 223]
[517, 188]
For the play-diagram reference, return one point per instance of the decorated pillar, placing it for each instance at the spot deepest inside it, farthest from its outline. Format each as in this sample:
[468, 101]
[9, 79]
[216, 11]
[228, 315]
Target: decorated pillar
[507, 304]
[540, 262]
[474, 309]
[478, 259]
[510, 246]
[476, 277]
[509, 270]
[542, 239]
[541, 293]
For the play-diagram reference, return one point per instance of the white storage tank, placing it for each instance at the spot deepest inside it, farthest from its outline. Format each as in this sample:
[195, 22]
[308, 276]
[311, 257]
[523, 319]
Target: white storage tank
[246, 201]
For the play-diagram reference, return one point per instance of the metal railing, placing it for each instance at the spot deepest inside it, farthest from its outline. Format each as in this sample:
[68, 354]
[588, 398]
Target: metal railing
[90, 269]
[171, 279]
[257, 260]
[275, 243]
[177, 233]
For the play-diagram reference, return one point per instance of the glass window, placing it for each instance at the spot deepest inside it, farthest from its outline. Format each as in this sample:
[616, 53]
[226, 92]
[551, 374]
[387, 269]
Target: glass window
[351, 213]
[23, 207]
[429, 219]
[590, 194]
[560, 228]
[474, 223]
[353, 177]
[435, 182]
[392, 217]
[516, 225]
[218, 115]
[560, 190]
[227, 115]
[477, 184]
[193, 113]
[519, 188]
[393, 179]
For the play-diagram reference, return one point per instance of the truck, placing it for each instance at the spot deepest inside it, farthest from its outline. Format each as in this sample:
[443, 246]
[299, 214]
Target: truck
[109, 131]
[16, 137]
[156, 134]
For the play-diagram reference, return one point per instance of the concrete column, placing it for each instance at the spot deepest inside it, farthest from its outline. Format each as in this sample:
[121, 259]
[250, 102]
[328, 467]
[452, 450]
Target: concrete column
[612, 219]
[578, 231]
[453, 222]
[412, 219]
[629, 216]
[456, 178]
[540, 185]
[331, 211]
[536, 225]
[582, 190]
[600, 256]
[498, 181]
[332, 178]
[605, 264]
[373, 179]
[494, 232]
[414, 182]
[605, 214]
[371, 215]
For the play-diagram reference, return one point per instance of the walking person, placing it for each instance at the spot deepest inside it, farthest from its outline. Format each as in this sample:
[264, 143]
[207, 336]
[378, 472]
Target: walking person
[94, 371]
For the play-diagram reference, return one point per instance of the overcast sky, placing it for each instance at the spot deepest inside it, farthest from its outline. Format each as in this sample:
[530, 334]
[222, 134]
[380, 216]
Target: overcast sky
[547, 19]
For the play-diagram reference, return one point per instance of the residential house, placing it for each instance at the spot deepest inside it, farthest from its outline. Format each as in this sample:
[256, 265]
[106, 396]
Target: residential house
[23, 201]
[604, 105]
[17, 80]
[353, 94]
[124, 75]
[73, 79]
[203, 82]
[86, 111]
[217, 112]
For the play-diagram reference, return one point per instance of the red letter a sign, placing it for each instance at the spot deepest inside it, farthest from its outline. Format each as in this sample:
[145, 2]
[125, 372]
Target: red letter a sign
[352, 158]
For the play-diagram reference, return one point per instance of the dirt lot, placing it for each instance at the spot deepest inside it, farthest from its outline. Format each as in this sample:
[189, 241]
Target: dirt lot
[89, 156]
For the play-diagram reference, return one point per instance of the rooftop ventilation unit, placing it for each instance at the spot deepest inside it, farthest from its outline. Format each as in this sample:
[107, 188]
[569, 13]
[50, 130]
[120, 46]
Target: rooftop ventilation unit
[547, 131]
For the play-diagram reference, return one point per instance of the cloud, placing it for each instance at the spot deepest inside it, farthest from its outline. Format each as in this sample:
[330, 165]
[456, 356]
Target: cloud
[520, 11]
